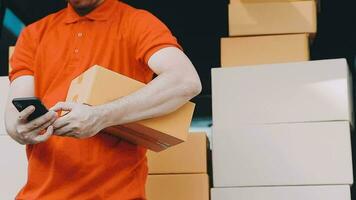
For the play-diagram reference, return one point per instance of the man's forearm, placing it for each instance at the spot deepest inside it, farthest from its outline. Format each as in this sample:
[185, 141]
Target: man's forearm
[163, 95]
[20, 87]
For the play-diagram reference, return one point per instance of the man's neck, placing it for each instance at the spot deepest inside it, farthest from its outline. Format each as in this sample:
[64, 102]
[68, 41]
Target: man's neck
[85, 11]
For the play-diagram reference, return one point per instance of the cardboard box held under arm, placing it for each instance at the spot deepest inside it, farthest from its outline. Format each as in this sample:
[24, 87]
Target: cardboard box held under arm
[99, 85]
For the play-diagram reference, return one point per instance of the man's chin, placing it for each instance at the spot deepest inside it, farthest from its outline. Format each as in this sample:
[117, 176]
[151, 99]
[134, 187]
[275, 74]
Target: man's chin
[78, 4]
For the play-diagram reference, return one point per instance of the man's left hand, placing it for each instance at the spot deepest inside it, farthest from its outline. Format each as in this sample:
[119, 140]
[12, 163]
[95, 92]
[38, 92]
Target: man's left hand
[82, 121]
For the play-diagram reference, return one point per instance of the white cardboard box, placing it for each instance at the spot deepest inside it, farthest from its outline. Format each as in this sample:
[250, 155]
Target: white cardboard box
[282, 154]
[275, 93]
[13, 167]
[283, 193]
[4, 89]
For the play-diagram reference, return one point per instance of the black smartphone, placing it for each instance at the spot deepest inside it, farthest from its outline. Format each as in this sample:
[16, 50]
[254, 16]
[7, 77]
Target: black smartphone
[22, 103]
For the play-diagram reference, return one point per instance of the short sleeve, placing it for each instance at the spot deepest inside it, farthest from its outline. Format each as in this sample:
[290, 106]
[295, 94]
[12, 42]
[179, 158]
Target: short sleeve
[23, 57]
[150, 35]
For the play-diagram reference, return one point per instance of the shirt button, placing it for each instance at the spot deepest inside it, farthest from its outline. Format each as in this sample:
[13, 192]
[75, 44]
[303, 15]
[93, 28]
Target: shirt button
[80, 34]
[76, 50]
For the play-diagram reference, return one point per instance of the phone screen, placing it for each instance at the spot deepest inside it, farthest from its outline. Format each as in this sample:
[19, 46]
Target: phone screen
[23, 103]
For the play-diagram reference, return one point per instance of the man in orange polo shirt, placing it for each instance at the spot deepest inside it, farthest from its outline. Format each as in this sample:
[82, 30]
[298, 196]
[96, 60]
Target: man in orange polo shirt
[72, 159]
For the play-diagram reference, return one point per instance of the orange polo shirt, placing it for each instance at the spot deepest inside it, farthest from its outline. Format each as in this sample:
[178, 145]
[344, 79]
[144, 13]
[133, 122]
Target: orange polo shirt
[57, 49]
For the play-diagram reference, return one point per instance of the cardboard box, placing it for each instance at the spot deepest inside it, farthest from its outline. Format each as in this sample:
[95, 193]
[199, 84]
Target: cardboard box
[13, 167]
[340, 192]
[178, 187]
[311, 91]
[4, 90]
[282, 154]
[267, 18]
[262, 1]
[237, 51]
[189, 157]
[95, 87]
[11, 51]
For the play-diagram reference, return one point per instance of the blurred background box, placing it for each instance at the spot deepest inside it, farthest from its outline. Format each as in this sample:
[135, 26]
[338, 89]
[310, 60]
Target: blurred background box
[13, 167]
[239, 51]
[310, 91]
[283, 193]
[178, 187]
[4, 89]
[282, 154]
[266, 18]
[190, 157]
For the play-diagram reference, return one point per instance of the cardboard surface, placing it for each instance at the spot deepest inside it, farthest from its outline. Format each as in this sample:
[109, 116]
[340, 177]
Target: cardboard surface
[282, 154]
[178, 187]
[263, 1]
[189, 157]
[95, 87]
[11, 51]
[276, 93]
[283, 193]
[239, 51]
[4, 89]
[267, 18]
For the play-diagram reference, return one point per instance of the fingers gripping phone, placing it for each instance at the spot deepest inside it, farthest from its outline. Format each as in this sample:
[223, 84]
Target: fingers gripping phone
[23, 103]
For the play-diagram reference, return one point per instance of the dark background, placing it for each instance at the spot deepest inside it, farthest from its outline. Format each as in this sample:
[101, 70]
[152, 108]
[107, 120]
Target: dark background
[199, 25]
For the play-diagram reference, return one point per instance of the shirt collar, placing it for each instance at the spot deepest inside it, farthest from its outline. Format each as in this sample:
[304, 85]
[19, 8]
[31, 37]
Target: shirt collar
[102, 13]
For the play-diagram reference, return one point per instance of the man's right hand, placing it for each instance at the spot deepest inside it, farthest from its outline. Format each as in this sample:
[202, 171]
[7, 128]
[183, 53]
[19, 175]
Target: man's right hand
[30, 132]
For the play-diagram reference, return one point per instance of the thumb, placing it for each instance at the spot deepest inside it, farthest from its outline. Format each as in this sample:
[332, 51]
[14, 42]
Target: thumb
[65, 106]
[45, 136]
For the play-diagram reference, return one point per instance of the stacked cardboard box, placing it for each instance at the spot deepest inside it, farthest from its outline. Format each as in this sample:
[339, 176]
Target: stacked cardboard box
[180, 172]
[264, 32]
[284, 193]
[282, 131]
